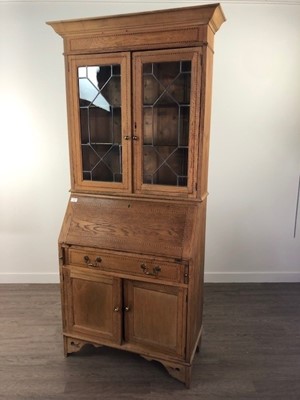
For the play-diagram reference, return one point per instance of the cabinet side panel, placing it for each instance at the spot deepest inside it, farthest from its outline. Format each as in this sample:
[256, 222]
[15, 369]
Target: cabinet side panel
[195, 296]
[66, 224]
[206, 97]
[70, 118]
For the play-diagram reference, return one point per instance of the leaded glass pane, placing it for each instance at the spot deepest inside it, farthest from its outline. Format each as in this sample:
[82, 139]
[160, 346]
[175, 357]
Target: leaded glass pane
[100, 122]
[166, 111]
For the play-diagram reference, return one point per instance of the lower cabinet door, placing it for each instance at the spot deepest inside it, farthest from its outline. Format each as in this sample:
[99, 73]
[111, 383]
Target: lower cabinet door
[155, 317]
[92, 305]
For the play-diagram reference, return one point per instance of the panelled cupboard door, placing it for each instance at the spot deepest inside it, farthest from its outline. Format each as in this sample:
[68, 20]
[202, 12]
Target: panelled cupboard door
[100, 122]
[166, 86]
[93, 305]
[155, 317]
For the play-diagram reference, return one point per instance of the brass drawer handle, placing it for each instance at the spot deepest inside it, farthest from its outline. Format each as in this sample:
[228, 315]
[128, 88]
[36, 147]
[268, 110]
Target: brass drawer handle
[134, 137]
[155, 270]
[116, 309]
[126, 137]
[89, 263]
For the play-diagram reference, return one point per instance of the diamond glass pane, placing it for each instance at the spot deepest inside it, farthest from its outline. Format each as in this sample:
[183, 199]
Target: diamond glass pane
[100, 122]
[166, 122]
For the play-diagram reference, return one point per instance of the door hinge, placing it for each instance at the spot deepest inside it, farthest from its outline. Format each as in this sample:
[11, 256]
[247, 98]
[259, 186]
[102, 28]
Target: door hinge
[62, 254]
[61, 260]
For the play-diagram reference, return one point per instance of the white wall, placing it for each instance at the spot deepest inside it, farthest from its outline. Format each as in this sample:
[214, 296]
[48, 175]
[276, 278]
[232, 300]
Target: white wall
[255, 139]
[255, 146]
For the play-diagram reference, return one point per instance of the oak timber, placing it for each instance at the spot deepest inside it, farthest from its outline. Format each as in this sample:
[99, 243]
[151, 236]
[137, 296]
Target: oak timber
[186, 26]
[132, 243]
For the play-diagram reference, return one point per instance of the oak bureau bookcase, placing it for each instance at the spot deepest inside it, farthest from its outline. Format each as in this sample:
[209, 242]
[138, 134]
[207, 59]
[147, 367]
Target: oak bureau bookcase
[131, 247]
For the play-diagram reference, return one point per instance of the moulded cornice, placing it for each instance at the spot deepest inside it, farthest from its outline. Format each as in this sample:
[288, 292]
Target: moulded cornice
[201, 15]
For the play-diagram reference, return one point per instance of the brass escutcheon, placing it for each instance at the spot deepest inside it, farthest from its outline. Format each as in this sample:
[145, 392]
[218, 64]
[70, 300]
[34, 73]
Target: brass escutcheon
[88, 262]
[155, 270]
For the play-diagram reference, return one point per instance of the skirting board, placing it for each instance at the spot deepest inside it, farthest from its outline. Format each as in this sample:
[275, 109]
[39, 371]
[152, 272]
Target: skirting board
[209, 277]
[248, 277]
[29, 278]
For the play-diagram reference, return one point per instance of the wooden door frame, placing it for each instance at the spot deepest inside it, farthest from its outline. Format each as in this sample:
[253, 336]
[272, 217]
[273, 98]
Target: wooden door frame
[194, 55]
[130, 340]
[70, 273]
[78, 183]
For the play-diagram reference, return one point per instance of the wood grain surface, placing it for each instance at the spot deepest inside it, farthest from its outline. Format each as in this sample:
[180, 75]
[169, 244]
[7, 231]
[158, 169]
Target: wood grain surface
[161, 60]
[132, 226]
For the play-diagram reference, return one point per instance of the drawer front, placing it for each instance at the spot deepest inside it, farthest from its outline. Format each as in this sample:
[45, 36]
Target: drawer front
[139, 266]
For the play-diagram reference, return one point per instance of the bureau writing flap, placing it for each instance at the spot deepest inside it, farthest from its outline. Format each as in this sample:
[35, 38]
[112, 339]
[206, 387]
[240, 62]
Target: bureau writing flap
[137, 226]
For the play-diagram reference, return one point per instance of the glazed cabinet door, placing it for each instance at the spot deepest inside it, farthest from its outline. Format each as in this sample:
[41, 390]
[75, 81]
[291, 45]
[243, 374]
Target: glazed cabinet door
[99, 104]
[166, 121]
[92, 305]
[155, 317]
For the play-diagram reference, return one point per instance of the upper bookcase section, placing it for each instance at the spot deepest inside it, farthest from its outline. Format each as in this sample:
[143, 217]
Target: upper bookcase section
[180, 27]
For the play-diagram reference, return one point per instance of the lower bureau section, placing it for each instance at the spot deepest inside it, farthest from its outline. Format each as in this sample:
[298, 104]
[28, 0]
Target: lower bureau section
[139, 303]
[120, 311]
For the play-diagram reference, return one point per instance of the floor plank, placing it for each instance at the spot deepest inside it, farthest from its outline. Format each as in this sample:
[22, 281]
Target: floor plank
[250, 350]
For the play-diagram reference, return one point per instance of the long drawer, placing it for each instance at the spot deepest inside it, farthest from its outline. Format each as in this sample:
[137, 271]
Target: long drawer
[132, 265]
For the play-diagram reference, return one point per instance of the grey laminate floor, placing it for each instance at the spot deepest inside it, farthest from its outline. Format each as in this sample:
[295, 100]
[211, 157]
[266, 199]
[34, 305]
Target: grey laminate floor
[250, 350]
